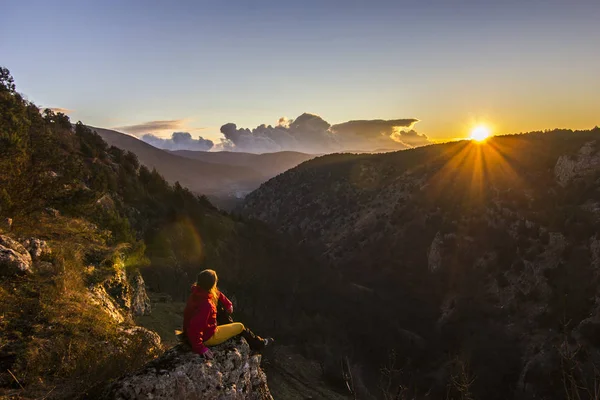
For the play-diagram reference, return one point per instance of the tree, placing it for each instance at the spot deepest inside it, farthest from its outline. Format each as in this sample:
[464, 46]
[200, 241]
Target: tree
[7, 83]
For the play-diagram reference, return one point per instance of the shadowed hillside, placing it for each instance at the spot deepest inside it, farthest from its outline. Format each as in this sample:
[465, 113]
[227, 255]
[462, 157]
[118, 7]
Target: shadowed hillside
[85, 228]
[475, 265]
[207, 178]
[224, 177]
[269, 164]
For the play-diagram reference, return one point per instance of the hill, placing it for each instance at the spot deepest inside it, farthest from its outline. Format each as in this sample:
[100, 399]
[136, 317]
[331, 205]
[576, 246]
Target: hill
[269, 164]
[224, 177]
[198, 175]
[469, 270]
[86, 229]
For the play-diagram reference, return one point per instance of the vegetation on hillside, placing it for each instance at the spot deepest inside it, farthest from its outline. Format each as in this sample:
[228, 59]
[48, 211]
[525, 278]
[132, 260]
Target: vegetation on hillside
[473, 263]
[102, 213]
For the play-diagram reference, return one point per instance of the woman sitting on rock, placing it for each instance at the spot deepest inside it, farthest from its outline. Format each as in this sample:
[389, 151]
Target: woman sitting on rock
[200, 326]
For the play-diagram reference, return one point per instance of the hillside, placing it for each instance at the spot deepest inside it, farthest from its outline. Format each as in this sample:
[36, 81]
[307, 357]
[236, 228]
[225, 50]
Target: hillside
[269, 164]
[86, 229]
[224, 177]
[471, 270]
[200, 176]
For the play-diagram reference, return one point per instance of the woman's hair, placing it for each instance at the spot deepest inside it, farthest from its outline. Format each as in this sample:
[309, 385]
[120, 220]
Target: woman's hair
[207, 280]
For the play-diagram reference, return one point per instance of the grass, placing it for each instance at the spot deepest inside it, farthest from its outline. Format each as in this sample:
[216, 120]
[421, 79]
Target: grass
[54, 341]
[166, 317]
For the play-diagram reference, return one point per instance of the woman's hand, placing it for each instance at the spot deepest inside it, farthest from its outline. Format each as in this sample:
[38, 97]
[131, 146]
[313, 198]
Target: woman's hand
[208, 354]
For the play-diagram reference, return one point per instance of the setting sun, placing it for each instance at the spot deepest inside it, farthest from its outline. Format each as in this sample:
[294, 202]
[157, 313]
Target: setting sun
[480, 133]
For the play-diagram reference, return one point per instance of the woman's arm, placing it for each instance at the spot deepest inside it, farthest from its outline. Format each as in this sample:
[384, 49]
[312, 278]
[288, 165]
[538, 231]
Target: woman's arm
[226, 302]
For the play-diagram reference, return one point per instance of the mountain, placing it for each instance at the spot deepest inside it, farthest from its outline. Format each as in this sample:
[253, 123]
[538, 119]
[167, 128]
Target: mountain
[224, 177]
[202, 177]
[269, 164]
[467, 270]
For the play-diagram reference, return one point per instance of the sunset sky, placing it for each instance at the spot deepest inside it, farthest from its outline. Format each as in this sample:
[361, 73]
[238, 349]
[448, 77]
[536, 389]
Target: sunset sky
[516, 65]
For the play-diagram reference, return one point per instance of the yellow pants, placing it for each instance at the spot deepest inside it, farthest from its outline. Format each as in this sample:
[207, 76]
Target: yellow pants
[224, 333]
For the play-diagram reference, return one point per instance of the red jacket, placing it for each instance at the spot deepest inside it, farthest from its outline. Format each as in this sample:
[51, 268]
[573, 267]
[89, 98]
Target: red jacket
[200, 317]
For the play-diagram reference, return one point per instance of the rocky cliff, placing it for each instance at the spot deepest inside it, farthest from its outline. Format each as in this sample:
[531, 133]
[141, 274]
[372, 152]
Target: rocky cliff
[484, 251]
[234, 373]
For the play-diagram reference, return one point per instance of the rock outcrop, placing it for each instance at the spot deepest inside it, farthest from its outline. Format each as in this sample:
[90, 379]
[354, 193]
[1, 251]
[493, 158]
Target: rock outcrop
[37, 248]
[180, 374]
[14, 258]
[98, 295]
[568, 167]
[140, 302]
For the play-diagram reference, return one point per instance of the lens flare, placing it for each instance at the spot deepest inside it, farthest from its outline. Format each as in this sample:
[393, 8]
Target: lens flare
[480, 133]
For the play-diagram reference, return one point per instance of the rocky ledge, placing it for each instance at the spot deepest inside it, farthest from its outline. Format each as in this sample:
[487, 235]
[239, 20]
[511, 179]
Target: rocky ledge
[234, 373]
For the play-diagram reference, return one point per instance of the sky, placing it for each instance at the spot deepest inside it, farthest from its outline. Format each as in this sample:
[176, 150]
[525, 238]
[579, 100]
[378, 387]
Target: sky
[192, 66]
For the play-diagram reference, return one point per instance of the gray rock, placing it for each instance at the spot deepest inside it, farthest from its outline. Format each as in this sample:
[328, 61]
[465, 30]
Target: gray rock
[140, 302]
[119, 289]
[37, 248]
[180, 374]
[584, 162]
[99, 296]
[151, 338]
[44, 267]
[14, 258]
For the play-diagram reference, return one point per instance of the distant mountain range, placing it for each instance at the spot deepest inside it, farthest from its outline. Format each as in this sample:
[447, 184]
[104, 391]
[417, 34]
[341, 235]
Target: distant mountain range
[268, 164]
[224, 177]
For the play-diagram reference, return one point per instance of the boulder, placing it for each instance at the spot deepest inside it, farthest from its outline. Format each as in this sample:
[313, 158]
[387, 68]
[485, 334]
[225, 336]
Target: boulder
[45, 268]
[119, 289]
[99, 296]
[149, 340]
[148, 335]
[140, 302]
[180, 374]
[37, 248]
[14, 258]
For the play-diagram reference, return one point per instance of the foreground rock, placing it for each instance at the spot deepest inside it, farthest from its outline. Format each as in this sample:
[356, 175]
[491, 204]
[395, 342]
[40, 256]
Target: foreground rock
[14, 258]
[181, 374]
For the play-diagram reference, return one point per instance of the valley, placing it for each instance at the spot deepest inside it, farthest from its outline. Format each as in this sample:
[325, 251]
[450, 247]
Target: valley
[224, 177]
[466, 269]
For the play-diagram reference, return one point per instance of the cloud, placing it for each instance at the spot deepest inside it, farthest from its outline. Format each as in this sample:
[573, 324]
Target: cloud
[284, 122]
[153, 126]
[311, 134]
[179, 141]
[410, 138]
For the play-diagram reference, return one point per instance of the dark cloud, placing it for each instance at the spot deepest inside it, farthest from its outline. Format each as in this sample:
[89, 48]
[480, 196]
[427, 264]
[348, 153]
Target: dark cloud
[179, 141]
[310, 133]
[307, 133]
[373, 128]
[152, 126]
